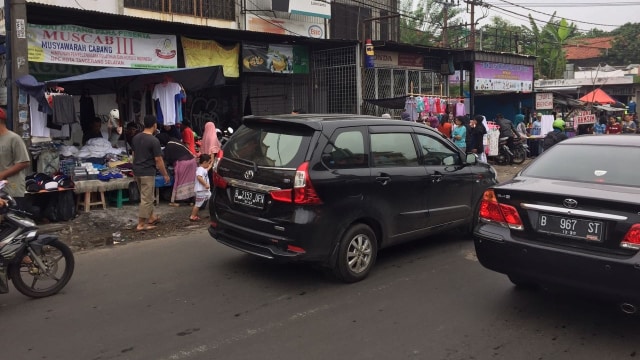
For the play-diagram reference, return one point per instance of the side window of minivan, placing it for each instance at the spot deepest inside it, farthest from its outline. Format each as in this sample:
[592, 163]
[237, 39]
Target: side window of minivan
[346, 150]
[393, 150]
[436, 152]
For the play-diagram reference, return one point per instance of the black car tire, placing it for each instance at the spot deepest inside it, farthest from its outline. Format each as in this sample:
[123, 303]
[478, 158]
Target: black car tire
[522, 282]
[519, 155]
[357, 254]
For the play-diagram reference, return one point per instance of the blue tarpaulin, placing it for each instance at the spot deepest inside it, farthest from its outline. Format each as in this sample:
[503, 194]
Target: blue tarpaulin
[109, 80]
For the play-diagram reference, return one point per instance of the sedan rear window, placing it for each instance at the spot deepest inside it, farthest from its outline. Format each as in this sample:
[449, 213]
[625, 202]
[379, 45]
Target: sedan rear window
[273, 146]
[614, 165]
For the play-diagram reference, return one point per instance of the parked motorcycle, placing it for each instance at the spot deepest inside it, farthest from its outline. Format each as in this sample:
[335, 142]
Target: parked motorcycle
[505, 155]
[38, 265]
[520, 151]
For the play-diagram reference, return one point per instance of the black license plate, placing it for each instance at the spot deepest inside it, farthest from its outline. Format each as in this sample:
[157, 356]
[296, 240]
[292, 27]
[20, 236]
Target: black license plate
[248, 198]
[567, 226]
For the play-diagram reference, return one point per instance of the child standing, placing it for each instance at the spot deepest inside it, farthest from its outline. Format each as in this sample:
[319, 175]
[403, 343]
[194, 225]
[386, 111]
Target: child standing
[201, 186]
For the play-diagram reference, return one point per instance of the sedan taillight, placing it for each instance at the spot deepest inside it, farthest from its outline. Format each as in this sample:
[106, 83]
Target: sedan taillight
[492, 211]
[632, 239]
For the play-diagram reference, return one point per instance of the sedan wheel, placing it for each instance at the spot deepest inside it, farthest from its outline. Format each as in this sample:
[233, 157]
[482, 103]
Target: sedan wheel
[357, 254]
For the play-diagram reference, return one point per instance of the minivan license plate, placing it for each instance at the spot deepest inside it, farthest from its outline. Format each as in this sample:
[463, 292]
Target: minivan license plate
[248, 198]
[589, 230]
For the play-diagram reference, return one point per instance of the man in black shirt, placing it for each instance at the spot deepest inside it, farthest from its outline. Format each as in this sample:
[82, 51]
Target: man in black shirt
[147, 157]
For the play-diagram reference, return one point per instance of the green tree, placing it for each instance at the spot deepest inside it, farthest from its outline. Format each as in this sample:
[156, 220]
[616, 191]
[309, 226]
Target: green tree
[501, 35]
[549, 41]
[625, 49]
[423, 24]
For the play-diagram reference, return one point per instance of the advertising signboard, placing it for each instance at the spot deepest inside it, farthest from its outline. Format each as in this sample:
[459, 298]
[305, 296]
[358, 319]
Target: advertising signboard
[503, 77]
[77, 45]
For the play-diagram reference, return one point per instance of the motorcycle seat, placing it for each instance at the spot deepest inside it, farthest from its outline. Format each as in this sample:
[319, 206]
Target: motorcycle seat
[504, 138]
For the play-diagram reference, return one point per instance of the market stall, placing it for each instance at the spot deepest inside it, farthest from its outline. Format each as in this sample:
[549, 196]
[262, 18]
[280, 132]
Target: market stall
[67, 131]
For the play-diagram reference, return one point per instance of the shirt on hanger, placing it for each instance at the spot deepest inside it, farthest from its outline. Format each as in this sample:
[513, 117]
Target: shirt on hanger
[38, 119]
[166, 93]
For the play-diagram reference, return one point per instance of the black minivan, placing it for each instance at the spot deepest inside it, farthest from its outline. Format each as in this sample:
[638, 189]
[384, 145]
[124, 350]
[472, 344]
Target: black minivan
[334, 189]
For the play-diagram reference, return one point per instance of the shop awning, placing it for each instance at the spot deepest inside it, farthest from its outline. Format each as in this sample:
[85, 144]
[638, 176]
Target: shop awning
[598, 96]
[109, 80]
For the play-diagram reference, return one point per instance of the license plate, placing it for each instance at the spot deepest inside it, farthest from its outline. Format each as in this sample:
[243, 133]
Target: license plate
[248, 198]
[566, 226]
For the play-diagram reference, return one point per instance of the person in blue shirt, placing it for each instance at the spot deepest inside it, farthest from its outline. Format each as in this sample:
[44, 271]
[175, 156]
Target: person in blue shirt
[599, 128]
[459, 133]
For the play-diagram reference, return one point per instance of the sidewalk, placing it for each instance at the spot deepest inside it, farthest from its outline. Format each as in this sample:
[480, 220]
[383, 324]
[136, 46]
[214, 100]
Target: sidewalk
[96, 228]
[507, 172]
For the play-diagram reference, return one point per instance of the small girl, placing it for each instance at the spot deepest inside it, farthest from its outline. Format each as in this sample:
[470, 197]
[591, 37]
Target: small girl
[201, 186]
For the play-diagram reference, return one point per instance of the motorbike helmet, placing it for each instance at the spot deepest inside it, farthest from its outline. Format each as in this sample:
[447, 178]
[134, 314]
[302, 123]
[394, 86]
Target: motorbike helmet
[558, 124]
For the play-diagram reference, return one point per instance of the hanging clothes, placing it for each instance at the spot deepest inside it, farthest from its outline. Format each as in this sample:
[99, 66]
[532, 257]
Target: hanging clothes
[460, 109]
[165, 93]
[410, 106]
[64, 110]
[38, 119]
[87, 111]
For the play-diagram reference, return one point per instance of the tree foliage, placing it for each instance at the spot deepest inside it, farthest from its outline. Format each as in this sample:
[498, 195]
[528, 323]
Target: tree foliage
[625, 49]
[423, 24]
[549, 41]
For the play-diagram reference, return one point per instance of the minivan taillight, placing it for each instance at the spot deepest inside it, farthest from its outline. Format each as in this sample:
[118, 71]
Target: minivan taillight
[217, 160]
[303, 191]
[632, 238]
[491, 210]
[219, 181]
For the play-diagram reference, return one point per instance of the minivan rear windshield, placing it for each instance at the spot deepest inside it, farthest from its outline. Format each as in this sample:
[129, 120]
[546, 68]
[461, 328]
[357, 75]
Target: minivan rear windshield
[269, 145]
[602, 164]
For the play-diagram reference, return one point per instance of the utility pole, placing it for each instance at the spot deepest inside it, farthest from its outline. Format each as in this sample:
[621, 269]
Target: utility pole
[472, 36]
[446, 4]
[17, 65]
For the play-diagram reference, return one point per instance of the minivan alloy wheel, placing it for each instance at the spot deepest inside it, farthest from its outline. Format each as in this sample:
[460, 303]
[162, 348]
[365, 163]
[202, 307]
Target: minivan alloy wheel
[357, 253]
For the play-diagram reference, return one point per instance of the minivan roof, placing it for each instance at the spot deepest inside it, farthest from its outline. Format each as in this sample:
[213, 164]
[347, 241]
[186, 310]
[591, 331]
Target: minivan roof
[315, 121]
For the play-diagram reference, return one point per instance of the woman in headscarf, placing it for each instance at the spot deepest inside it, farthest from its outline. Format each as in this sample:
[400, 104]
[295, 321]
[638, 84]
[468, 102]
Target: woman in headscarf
[210, 142]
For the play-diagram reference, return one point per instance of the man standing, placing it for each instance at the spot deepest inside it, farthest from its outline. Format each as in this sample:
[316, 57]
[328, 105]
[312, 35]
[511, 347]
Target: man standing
[628, 125]
[147, 157]
[14, 160]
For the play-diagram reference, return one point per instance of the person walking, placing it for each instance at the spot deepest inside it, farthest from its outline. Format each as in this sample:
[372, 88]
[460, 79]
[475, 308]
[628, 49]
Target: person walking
[476, 142]
[14, 160]
[147, 157]
[202, 185]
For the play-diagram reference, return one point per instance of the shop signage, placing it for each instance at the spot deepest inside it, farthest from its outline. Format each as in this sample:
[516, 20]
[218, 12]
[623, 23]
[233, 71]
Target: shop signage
[3, 30]
[318, 8]
[77, 45]
[583, 117]
[280, 59]
[544, 101]
[394, 59]
[492, 76]
[285, 27]
[209, 53]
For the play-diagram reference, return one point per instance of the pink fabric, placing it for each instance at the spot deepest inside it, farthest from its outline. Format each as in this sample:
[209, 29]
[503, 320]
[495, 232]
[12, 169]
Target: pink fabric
[184, 179]
[210, 142]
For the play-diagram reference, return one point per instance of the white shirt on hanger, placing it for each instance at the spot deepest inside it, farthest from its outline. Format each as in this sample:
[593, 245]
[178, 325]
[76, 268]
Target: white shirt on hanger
[166, 95]
[38, 120]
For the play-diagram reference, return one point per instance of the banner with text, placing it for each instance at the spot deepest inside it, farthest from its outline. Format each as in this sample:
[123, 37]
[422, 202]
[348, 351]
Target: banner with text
[209, 53]
[503, 77]
[544, 101]
[583, 117]
[77, 45]
[282, 59]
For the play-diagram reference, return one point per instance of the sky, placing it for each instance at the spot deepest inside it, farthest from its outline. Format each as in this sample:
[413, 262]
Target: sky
[585, 14]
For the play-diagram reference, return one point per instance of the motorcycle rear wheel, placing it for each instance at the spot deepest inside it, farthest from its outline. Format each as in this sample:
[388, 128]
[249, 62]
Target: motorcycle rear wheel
[54, 255]
[519, 155]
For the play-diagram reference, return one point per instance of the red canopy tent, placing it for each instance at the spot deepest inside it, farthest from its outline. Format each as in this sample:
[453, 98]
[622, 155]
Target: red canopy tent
[598, 96]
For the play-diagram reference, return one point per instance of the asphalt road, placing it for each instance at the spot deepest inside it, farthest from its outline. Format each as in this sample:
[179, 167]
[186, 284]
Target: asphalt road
[191, 298]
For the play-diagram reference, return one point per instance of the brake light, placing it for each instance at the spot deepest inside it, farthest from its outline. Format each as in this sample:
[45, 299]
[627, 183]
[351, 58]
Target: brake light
[303, 191]
[217, 160]
[491, 210]
[219, 181]
[632, 238]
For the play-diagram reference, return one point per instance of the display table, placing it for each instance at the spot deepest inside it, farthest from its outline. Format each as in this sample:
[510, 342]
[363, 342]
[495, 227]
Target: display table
[97, 188]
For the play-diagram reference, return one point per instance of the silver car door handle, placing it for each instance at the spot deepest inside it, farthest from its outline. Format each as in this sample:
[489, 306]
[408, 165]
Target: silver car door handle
[384, 180]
